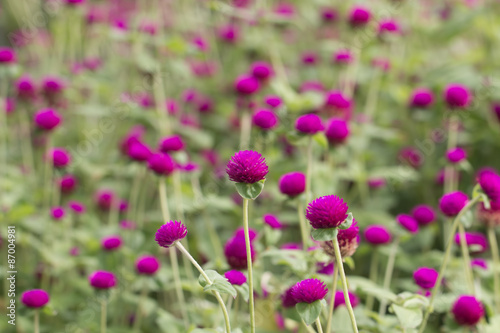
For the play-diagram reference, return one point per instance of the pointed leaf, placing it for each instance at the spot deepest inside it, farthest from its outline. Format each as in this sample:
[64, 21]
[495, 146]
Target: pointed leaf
[324, 234]
[250, 191]
[347, 223]
[408, 317]
[309, 312]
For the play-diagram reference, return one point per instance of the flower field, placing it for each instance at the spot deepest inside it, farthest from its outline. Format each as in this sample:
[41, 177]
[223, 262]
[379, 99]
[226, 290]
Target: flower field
[249, 166]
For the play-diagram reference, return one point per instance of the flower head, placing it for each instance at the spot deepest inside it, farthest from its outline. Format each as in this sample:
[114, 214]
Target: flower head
[77, 207]
[326, 212]
[161, 164]
[246, 85]
[111, 243]
[147, 265]
[359, 16]
[272, 221]
[421, 98]
[337, 131]
[340, 299]
[287, 299]
[47, 119]
[247, 166]
[25, 88]
[67, 183]
[479, 263]
[261, 70]
[170, 232]
[452, 203]
[309, 291]
[467, 310]
[273, 101]
[7, 55]
[235, 252]
[411, 156]
[490, 183]
[35, 298]
[139, 151]
[388, 26]
[476, 241]
[57, 213]
[102, 280]
[425, 277]
[229, 33]
[309, 124]
[377, 235]
[328, 14]
[265, 119]
[171, 143]
[235, 277]
[104, 199]
[456, 155]
[408, 222]
[424, 214]
[457, 96]
[348, 241]
[292, 183]
[60, 157]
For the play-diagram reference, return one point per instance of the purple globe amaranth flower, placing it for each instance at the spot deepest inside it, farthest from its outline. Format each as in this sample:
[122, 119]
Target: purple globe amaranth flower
[134, 135]
[425, 277]
[340, 299]
[287, 299]
[265, 119]
[359, 16]
[421, 98]
[337, 131]
[456, 155]
[76, 207]
[102, 280]
[47, 119]
[309, 58]
[311, 86]
[343, 57]
[309, 124]
[424, 214]
[452, 203]
[161, 164]
[229, 33]
[376, 182]
[171, 143]
[57, 213]
[111, 243]
[67, 183]
[479, 263]
[235, 252]
[348, 241]
[408, 222]
[272, 221]
[60, 157]
[104, 199]
[52, 86]
[325, 268]
[467, 310]
[490, 217]
[261, 70]
[336, 99]
[377, 235]
[247, 166]
[326, 212]
[457, 96]
[328, 14]
[240, 232]
[128, 225]
[169, 233]
[25, 88]
[147, 265]
[273, 101]
[35, 298]
[284, 9]
[7, 56]
[10, 105]
[495, 108]
[75, 2]
[309, 291]
[490, 184]
[476, 241]
[235, 277]
[139, 151]
[388, 26]
[292, 183]
[246, 85]
[411, 156]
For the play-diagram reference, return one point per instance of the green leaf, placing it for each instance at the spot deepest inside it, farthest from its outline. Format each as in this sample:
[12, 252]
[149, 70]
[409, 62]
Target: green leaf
[467, 219]
[349, 262]
[347, 223]
[324, 234]
[250, 191]
[219, 283]
[408, 317]
[309, 312]
[243, 291]
[320, 138]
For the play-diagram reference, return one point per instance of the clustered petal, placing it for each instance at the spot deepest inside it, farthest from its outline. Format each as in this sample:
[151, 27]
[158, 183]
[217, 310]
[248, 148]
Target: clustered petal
[309, 291]
[247, 166]
[170, 232]
[326, 212]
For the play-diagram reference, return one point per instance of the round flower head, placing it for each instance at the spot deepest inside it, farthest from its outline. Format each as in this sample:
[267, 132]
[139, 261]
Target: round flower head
[60, 157]
[47, 119]
[111, 243]
[479, 263]
[376, 182]
[292, 183]
[421, 98]
[495, 108]
[309, 291]
[335, 99]
[425, 277]
[235, 277]
[171, 143]
[457, 96]
[25, 88]
[456, 155]
[35, 298]
[67, 183]
[476, 241]
[408, 222]
[273, 101]
[309, 58]
[343, 57]
[104, 199]
[246, 85]
[359, 16]
[337, 131]
[247, 166]
[127, 225]
[467, 310]
[340, 299]
[10, 105]
[75, 2]
[411, 157]
[287, 299]
[377, 235]
[57, 213]
[161, 164]
[325, 268]
[52, 86]
[423, 214]
[235, 252]
[311, 86]
[229, 33]
[328, 14]
[452, 203]
[309, 124]
[102, 280]
[147, 265]
[240, 232]
[348, 241]
[7, 55]
[272, 221]
[169, 233]
[388, 26]
[261, 70]
[76, 207]
[265, 119]
[326, 212]
[490, 183]
[139, 152]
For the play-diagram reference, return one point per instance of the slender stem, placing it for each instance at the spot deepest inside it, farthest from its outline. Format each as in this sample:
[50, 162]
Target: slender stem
[308, 328]
[142, 298]
[388, 274]
[309, 169]
[249, 265]
[48, 171]
[465, 254]
[245, 130]
[215, 293]
[449, 172]
[304, 232]
[178, 195]
[103, 316]
[338, 259]
[134, 192]
[37, 320]
[445, 262]
[496, 265]
[332, 299]
[373, 277]
[178, 285]
[318, 325]
[162, 189]
[159, 96]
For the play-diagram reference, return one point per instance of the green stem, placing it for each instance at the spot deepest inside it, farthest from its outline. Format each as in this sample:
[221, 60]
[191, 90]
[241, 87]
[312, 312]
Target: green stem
[134, 192]
[318, 325]
[304, 232]
[249, 265]
[162, 189]
[37, 321]
[332, 299]
[388, 274]
[465, 254]
[215, 293]
[178, 285]
[496, 265]
[445, 262]
[245, 130]
[142, 298]
[373, 277]
[159, 96]
[103, 316]
[338, 259]
[309, 170]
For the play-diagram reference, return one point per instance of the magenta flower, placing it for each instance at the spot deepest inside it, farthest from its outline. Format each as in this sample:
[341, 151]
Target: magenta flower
[7, 56]
[161, 164]
[229, 33]
[139, 152]
[408, 222]
[235, 277]
[343, 57]
[247, 166]
[326, 212]
[67, 183]
[272, 221]
[424, 214]
[127, 225]
[25, 88]
[348, 241]
[452, 203]
[377, 235]
[287, 299]
[325, 268]
[60, 157]
[240, 232]
[75, 2]
[490, 184]
[147, 265]
[292, 183]
[265, 119]
[457, 96]
[57, 213]
[273, 101]
[425, 277]
[329, 14]
[169, 233]
[47, 119]
[104, 199]
[111, 243]
[76, 207]
[376, 182]
[421, 98]
[309, 124]
[52, 86]
[467, 310]
[476, 241]
[102, 280]
[246, 85]
[309, 291]
[340, 299]
[235, 252]
[359, 16]
[261, 70]
[337, 131]
[411, 157]
[479, 263]
[456, 155]
[388, 26]
[495, 108]
[35, 298]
